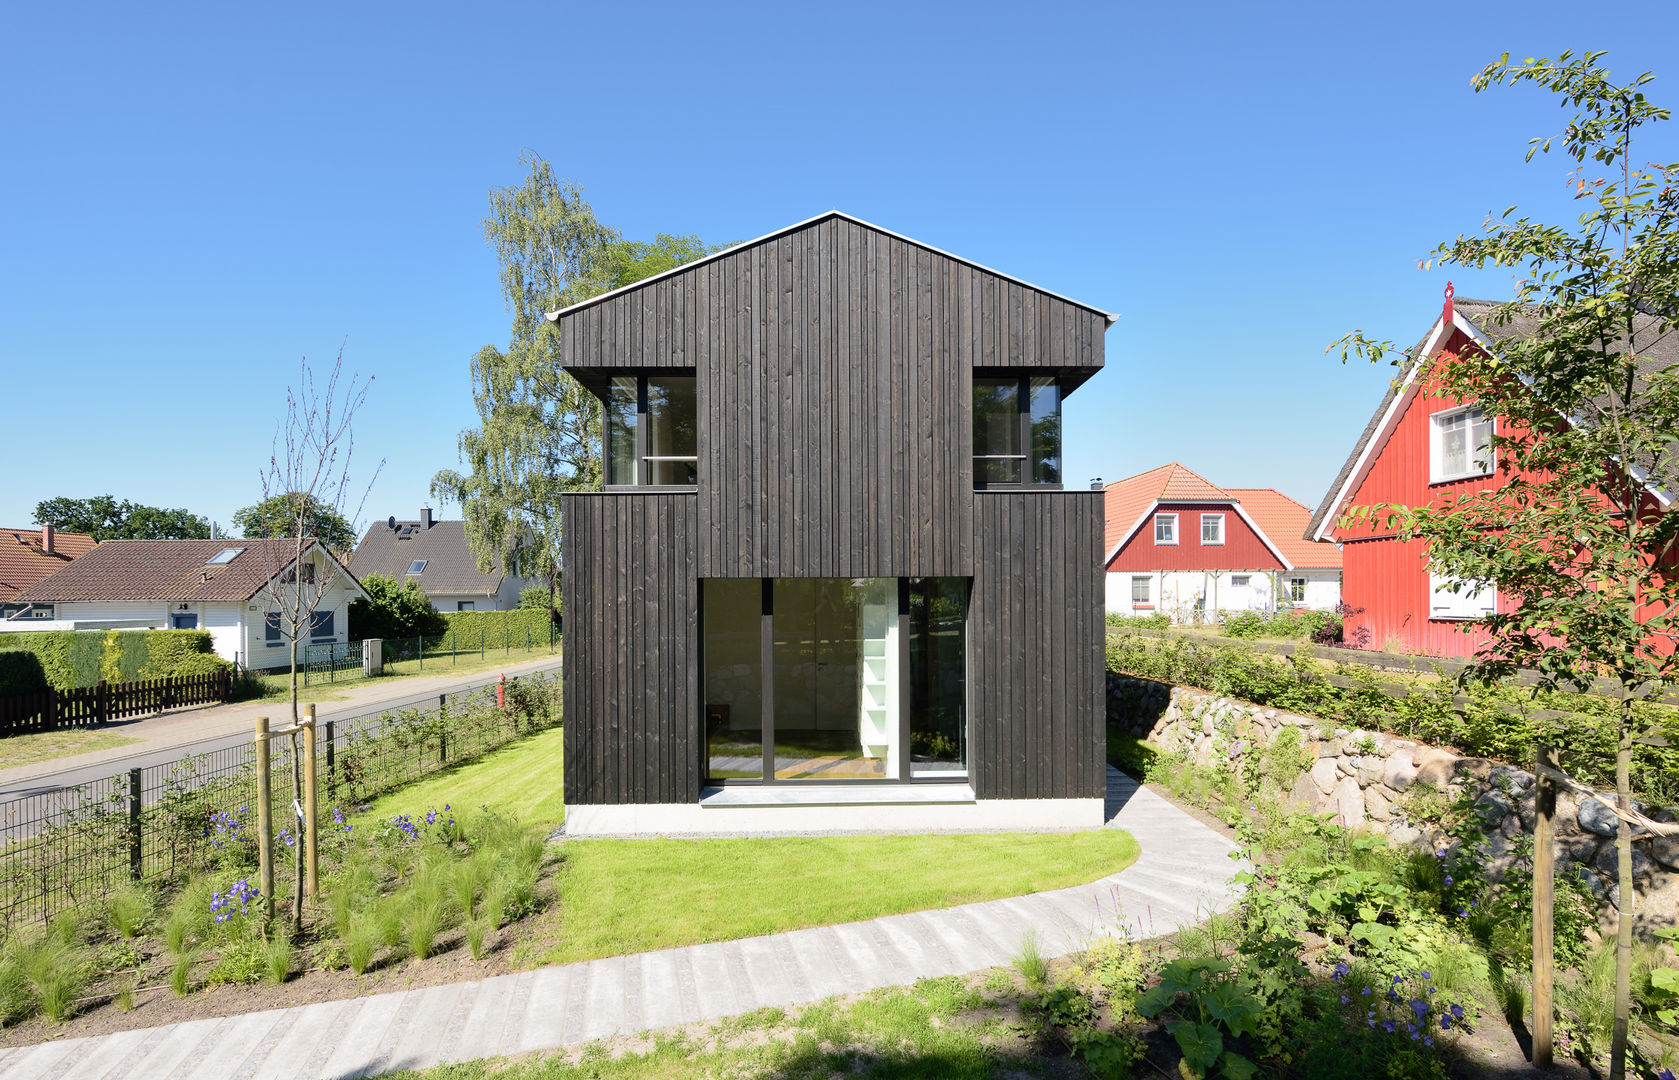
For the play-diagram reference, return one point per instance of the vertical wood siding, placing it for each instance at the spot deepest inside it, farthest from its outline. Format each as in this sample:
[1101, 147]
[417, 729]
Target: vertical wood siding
[1035, 641]
[835, 367]
[631, 648]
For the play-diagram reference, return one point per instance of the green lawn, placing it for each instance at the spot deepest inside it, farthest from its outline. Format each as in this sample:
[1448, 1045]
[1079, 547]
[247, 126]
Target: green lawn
[522, 779]
[625, 896]
[35, 746]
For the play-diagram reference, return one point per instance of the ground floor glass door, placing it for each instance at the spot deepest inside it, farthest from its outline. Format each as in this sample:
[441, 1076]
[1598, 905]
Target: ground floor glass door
[834, 679]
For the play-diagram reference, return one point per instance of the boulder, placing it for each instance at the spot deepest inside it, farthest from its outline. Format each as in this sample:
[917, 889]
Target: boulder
[1665, 851]
[1596, 818]
[1478, 767]
[1436, 768]
[1493, 806]
[1348, 804]
[1305, 794]
[1324, 775]
[1402, 833]
[1608, 864]
[1400, 770]
[1376, 804]
[1371, 769]
[1511, 778]
[1329, 748]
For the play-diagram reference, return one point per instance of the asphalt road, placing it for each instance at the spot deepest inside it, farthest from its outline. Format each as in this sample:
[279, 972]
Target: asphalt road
[44, 784]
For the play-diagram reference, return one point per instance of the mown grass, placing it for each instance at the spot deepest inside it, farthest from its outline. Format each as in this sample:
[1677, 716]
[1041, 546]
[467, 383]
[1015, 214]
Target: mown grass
[27, 749]
[624, 896]
[522, 779]
[938, 1029]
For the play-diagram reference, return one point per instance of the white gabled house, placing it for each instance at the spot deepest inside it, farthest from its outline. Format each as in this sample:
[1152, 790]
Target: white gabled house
[226, 587]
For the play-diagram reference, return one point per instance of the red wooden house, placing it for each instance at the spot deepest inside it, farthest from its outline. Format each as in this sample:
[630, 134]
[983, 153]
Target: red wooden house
[1420, 447]
[1179, 544]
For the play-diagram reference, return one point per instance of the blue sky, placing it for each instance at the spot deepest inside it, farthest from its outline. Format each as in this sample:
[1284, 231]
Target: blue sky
[197, 197]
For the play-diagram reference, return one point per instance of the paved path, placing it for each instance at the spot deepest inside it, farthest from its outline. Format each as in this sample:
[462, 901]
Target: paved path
[175, 734]
[1180, 878]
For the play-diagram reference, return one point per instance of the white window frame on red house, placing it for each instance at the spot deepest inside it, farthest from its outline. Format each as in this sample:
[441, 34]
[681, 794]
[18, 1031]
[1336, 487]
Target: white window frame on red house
[1297, 590]
[1468, 602]
[1170, 524]
[1215, 520]
[1477, 429]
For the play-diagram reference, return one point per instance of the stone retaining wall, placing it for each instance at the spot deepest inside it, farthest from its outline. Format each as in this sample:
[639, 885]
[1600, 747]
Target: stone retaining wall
[1366, 779]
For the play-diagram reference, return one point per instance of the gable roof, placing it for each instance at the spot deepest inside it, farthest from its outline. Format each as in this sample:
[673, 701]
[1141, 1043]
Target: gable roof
[1129, 503]
[554, 316]
[451, 566]
[1282, 521]
[1474, 318]
[171, 570]
[24, 561]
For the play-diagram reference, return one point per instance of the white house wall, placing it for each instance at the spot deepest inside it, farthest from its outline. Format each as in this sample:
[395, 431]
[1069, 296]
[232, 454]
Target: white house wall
[1178, 593]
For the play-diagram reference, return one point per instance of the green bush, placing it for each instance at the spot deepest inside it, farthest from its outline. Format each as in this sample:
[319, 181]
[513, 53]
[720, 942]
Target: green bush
[498, 627]
[21, 672]
[180, 652]
[393, 610]
[75, 658]
[1158, 621]
[1497, 722]
[1319, 626]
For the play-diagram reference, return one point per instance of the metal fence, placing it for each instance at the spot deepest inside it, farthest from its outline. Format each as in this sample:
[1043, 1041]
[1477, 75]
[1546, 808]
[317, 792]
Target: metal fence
[67, 847]
[330, 662]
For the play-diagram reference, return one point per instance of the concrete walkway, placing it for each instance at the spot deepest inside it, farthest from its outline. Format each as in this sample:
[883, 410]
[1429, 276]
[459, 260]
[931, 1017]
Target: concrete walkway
[1181, 877]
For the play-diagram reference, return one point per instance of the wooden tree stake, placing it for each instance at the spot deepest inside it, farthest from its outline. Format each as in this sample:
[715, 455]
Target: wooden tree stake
[265, 822]
[311, 805]
[1544, 875]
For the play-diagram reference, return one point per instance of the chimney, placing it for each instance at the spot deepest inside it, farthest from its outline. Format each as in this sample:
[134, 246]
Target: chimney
[46, 539]
[425, 518]
[1095, 483]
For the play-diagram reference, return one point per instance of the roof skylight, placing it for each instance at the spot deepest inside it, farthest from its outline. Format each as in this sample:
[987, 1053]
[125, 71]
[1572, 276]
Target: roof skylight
[225, 556]
[417, 566]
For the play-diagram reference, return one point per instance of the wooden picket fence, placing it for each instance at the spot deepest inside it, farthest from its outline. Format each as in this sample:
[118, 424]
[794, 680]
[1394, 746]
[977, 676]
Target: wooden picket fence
[44, 710]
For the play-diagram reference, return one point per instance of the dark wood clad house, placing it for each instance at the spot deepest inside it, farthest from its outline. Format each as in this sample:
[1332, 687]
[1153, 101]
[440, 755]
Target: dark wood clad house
[834, 580]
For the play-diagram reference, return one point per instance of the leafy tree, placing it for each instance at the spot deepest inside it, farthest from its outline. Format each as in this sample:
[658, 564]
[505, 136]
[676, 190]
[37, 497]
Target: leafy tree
[1573, 535]
[539, 431]
[537, 596]
[280, 515]
[104, 518]
[394, 610]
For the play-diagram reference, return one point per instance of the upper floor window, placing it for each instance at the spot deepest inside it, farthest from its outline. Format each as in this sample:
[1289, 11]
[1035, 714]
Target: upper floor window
[1212, 528]
[1165, 528]
[1017, 431]
[651, 429]
[1460, 444]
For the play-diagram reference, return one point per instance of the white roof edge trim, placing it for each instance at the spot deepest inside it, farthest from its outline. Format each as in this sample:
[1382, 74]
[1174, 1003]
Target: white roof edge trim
[1400, 399]
[314, 545]
[554, 316]
[1474, 334]
[1158, 504]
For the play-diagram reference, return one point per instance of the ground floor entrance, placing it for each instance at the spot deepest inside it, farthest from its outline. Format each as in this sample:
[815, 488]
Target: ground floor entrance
[835, 679]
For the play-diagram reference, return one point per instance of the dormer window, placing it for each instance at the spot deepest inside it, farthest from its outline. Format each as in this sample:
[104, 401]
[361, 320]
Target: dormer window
[1165, 528]
[651, 431]
[1017, 432]
[1212, 529]
[225, 556]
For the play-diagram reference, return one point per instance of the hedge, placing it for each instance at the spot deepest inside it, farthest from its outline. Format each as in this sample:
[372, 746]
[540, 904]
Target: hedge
[73, 658]
[20, 672]
[1496, 722]
[494, 624]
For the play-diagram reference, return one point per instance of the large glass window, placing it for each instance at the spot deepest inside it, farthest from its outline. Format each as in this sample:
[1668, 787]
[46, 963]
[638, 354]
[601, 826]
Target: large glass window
[650, 427]
[623, 413]
[734, 691]
[1017, 431]
[672, 441]
[938, 676]
[835, 700]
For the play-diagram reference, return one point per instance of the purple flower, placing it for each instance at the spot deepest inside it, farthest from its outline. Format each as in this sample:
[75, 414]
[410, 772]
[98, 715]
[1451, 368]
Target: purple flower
[1426, 975]
[1366, 990]
[1448, 879]
[1344, 999]
[1457, 1012]
[1387, 1025]
[1428, 1040]
[1445, 1022]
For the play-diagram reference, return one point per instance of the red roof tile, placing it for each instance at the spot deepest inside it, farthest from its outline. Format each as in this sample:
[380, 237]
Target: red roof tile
[167, 570]
[23, 562]
[1279, 518]
[1284, 522]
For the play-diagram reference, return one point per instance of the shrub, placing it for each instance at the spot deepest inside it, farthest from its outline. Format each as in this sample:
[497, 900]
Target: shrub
[422, 923]
[242, 961]
[362, 943]
[475, 932]
[76, 658]
[393, 610]
[278, 955]
[128, 907]
[180, 973]
[21, 672]
[1158, 621]
[172, 653]
[1031, 964]
[498, 627]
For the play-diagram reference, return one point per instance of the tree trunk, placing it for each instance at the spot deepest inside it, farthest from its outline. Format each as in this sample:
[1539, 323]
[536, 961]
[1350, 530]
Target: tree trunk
[1627, 898]
[297, 829]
